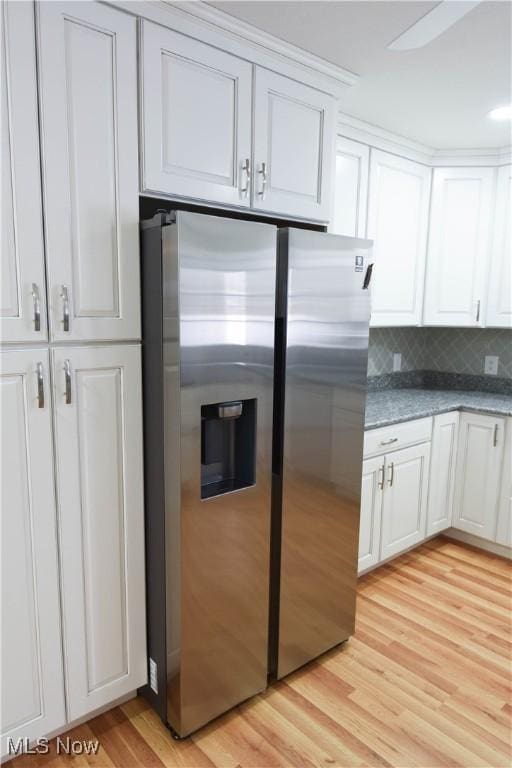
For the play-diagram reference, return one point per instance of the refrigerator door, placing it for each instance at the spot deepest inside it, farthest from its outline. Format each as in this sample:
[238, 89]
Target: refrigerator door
[325, 311]
[219, 306]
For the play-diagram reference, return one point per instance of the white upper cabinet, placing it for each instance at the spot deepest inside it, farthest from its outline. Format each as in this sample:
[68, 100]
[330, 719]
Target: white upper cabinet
[88, 83]
[23, 293]
[98, 427]
[350, 188]
[397, 223]
[31, 661]
[294, 132]
[480, 454]
[499, 302]
[196, 110]
[458, 246]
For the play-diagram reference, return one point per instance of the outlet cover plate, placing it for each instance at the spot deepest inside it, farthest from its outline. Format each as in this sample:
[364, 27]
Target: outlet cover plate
[491, 365]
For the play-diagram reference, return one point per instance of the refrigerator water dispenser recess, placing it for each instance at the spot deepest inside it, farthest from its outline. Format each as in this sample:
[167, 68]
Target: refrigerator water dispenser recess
[228, 447]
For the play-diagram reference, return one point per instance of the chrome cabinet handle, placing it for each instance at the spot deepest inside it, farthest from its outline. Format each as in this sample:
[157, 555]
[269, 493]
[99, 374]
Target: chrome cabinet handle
[381, 477]
[495, 436]
[67, 377]
[246, 168]
[263, 172]
[388, 442]
[391, 473]
[65, 306]
[478, 311]
[40, 385]
[37, 307]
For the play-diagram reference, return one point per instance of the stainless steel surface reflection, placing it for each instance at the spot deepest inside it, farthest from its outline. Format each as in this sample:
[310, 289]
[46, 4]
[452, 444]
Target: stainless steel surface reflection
[219, 300]
[327, 316]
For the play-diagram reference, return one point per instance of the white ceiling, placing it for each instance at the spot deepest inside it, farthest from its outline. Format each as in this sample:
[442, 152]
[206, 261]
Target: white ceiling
[438, 95]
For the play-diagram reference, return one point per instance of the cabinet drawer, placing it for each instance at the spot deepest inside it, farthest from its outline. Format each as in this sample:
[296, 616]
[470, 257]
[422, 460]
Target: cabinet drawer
[397, 436]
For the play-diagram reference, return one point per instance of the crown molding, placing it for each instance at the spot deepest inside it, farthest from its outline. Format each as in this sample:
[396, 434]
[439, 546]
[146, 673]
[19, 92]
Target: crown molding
[254, 36]
[380, 138]
[375, 136]
[202, 22]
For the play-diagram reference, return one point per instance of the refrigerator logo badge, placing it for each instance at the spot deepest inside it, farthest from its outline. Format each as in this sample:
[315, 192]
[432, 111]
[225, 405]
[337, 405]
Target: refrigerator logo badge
[359, 263]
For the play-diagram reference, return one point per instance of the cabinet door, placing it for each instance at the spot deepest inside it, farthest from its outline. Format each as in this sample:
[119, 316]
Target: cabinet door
[196, 118]
[457, 260]
[442, 472]
[88, 82]
[31, 661]
[23, 293]
[294, 140]
[371, 509]
[499, 306]
[479, 459]
[405, 499]
[397, 223]
[100, 495]
[504, 524]
[350, 188]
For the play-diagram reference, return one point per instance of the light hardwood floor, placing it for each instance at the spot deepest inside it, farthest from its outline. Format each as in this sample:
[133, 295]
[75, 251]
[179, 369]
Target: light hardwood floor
[424, 682]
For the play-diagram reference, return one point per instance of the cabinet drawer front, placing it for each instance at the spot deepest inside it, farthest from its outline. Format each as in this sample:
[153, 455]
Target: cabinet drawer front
[384, 439]
[99, 481]
[196, 118]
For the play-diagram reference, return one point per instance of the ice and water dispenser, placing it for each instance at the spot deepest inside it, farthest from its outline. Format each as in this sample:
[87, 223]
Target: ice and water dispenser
[228, 447]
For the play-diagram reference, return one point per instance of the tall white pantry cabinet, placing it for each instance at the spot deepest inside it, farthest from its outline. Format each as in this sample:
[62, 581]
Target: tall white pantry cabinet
[73, 611]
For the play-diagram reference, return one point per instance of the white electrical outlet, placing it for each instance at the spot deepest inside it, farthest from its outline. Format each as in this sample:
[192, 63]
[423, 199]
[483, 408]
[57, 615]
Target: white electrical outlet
[397, 361]
[153, 679]
[491, 365]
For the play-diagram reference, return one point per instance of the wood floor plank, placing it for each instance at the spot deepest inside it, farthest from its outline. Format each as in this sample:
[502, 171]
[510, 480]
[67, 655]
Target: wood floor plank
[424, 683]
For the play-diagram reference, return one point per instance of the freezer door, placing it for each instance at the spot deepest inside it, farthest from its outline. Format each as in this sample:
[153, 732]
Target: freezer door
[219, 300]
[326, 309]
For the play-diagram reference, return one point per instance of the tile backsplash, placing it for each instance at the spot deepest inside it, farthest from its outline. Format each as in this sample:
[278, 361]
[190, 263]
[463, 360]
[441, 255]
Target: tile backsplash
[454, 350]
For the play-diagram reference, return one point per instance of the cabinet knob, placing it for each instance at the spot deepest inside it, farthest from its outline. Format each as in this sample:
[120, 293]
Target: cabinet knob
[67, 378]
[65, 306]
[37, 307]
[263, 173]
[388, 442]
[246, 169]
[40, 385]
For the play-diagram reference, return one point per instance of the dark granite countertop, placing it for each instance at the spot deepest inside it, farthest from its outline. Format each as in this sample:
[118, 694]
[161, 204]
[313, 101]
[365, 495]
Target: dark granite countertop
[392, 406]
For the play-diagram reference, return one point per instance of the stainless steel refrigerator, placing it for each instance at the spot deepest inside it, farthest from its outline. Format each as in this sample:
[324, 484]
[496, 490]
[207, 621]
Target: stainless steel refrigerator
[208, 305]
[252, 480]
[323, 313]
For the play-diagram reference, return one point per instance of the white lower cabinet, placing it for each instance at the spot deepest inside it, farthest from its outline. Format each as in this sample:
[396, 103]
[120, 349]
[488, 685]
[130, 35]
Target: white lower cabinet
[371, 506]
[98, 426]
[442, 472]
[504, 522]
[31, 659]
[479, 461]
[404, 507]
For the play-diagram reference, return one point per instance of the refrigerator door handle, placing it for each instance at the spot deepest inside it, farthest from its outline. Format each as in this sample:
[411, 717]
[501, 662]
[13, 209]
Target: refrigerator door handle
[367, 277]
